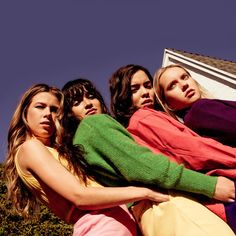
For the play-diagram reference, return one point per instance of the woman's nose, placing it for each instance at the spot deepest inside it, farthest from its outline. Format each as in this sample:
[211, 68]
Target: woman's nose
[184, 85]
[144, 92]
[88, 103]
[47, 111]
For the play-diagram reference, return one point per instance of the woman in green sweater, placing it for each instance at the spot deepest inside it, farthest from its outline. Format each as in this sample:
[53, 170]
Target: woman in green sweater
[118, 161]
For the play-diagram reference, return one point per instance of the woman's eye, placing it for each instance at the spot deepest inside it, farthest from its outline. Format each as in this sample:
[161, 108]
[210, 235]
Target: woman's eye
[185, 77]
[39, 106]
[76, 103]
[134, 90]
[171, 86]
[148, 85]
[91, 96]
[54, 109]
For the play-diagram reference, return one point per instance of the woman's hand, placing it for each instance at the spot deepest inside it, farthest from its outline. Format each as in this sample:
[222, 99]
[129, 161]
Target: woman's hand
[225, 190]
[156, 196]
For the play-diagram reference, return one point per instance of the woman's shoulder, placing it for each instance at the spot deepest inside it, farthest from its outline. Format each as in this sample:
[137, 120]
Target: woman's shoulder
[209, 101]
[144, 113]
[30, 142]
[204, 104]
[30, 145]
[96, 117]
[24, 153]
[29, 150]
[98, 120]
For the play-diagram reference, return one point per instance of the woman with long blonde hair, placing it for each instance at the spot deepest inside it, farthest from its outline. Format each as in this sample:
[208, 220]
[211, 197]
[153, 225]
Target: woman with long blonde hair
[40, 167]
[186, 100]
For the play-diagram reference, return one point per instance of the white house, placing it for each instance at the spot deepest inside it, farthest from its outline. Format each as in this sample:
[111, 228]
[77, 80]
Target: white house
[216, 75]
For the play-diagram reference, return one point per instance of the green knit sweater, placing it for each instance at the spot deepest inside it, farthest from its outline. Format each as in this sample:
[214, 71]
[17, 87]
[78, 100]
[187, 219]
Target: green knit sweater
[118, 161]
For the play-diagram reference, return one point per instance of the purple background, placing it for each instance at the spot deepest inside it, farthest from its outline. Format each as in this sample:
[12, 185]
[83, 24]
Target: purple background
[53, 41]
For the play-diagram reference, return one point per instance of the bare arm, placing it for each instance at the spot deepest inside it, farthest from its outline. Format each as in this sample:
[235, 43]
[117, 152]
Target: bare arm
[35, 158]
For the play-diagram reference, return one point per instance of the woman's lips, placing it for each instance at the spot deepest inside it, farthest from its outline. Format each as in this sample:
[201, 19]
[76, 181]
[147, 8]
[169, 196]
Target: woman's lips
[190, 93]
[91, 111]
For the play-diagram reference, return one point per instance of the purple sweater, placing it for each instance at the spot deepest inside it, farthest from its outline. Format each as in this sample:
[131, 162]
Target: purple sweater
[213, 118]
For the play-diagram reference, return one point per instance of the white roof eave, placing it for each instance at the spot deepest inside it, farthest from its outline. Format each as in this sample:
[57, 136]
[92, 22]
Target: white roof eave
[174, 56]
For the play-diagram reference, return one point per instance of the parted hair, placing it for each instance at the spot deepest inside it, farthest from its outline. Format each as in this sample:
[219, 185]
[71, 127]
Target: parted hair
[120, 90]
[159, 91]
[23, 200]
[74, 91]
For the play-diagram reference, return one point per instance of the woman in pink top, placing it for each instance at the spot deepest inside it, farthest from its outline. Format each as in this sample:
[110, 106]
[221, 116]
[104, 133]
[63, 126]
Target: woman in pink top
[131, 89]
[40, 167]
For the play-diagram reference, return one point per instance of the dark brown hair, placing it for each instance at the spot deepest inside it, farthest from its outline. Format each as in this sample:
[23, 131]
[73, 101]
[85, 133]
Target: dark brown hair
[73, 91]
[121, 95]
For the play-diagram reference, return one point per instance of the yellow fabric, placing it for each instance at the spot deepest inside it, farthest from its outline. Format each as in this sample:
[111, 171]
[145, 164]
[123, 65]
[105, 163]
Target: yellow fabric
[33, 184]
[180, 216]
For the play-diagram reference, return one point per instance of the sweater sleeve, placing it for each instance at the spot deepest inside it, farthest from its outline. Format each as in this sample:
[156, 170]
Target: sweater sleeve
[163, 134]
[213, 118]
[119, 161]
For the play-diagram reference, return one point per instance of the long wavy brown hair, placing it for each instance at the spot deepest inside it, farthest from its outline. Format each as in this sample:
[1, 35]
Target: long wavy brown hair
[23, 200]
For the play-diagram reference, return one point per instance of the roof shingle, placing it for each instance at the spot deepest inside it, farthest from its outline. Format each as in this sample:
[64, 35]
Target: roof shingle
[225, 65]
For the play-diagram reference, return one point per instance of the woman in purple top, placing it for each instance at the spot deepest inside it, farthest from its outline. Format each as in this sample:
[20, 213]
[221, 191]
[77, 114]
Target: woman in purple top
[182, 97]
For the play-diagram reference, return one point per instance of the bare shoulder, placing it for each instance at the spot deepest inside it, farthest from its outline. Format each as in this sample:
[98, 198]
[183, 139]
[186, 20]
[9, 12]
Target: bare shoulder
[30, 145]
[29, 151]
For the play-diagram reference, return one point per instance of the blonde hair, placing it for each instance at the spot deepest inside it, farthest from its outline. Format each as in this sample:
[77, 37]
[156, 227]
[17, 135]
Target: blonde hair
[159, 91]
[23, 200]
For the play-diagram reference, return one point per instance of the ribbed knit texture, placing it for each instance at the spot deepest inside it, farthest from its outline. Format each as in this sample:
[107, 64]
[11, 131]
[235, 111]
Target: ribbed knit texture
[119, 161]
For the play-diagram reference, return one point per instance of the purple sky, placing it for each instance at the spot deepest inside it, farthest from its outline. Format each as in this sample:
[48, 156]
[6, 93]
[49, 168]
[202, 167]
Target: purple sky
[53, 41]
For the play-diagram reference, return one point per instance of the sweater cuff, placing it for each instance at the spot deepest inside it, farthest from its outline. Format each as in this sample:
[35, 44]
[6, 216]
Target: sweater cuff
[198, 183]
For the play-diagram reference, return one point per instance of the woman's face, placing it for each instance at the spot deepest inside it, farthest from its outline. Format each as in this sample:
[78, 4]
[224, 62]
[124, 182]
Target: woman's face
[180, 90]
[88, 106]
[142, 90]
[41, 115]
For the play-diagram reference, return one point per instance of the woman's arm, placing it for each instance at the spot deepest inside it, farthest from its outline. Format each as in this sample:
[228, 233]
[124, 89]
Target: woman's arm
[34, 157]
[118, 160]
[163, 134]
[213, 118]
